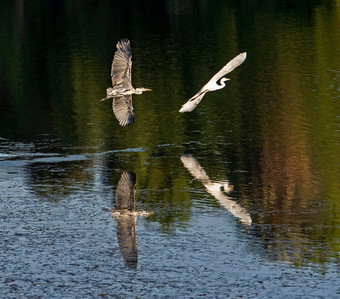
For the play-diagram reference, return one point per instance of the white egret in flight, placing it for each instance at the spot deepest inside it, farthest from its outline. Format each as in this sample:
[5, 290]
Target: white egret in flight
[213, 83]
[121, 91]
[215, 189]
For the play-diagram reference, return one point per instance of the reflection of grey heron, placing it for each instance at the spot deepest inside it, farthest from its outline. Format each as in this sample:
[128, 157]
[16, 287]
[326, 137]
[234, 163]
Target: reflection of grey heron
[126, 218]
[125, 192]
[215, 189]
[212, 84]
[121, 91]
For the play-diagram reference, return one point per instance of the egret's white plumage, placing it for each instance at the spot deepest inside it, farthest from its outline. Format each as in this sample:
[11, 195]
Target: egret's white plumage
[213, 83]
[215, 188]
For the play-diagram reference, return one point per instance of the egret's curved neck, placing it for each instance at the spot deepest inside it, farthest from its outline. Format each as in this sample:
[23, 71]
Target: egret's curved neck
[222, 83]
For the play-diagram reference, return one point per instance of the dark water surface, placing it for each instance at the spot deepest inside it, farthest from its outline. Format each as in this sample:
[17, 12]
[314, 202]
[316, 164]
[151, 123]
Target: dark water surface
[240, 197]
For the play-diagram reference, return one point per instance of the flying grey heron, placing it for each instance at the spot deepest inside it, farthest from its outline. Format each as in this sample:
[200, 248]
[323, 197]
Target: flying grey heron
[126, 222]
[125, 197]
[213, 83]
[126, 217]
[121, 91]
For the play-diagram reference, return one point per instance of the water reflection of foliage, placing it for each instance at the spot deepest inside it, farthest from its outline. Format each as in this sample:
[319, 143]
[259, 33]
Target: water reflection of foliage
[297, 150]
[158, 187]
[275, 127]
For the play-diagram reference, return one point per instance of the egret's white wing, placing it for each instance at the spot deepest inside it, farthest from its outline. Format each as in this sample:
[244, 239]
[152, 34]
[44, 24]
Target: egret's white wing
[192, 102]
[125, 191]
[194, 167]
[123, 110]
[230, 205]
[121, 65]
[230, 66]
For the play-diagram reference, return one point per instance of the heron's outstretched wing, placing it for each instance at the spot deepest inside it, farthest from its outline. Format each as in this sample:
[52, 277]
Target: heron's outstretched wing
[123, 110]
[230, 66]
[125, 192]
[121, 65]
[127, 239]
[193, 102]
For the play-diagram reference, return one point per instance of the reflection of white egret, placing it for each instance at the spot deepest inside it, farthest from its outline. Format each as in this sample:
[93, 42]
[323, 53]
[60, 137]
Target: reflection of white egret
[215, 189]
[121, 91]
[126, 218]
[213, 83]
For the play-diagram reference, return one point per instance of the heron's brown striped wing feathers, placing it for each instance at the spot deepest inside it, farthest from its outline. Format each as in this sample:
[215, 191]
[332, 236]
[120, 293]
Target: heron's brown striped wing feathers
[127, 239]
[121, 65]
[230, 66]
[125, 192]
[123, 110]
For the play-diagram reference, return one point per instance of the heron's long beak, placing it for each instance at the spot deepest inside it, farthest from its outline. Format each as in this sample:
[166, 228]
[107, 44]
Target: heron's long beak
[148, 89]
[106, 98]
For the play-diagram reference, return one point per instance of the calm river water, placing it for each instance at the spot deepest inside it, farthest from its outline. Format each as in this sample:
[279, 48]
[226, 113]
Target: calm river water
[239, 198]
